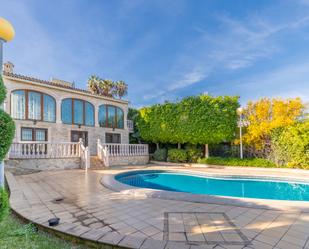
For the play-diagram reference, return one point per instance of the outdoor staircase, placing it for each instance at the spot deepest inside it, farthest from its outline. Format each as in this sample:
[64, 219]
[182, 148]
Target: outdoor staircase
[96, 163]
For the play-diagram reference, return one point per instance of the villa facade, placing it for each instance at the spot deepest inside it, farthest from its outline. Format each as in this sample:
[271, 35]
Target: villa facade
[57, 111]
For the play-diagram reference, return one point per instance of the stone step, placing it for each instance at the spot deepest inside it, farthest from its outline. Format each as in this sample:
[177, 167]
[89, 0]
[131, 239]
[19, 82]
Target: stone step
[96, 163]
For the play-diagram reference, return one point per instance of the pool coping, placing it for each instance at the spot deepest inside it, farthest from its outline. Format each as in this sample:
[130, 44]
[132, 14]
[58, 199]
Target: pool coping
[109, 181]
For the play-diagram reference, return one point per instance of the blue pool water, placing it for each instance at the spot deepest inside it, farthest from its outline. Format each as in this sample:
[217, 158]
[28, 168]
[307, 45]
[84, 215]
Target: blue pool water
[263, 188]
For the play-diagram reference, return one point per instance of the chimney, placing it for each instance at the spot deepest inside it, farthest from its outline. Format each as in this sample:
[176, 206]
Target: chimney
[8, 67]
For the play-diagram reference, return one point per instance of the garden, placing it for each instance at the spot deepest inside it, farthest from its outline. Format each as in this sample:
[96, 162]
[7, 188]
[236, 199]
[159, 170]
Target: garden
[205, 129]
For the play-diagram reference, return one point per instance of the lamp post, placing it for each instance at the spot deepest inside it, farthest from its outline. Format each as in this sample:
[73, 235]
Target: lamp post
[6, 34]
[240, 112]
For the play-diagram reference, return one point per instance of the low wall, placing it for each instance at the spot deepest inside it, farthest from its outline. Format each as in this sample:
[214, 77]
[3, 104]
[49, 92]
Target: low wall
[128, 160]
[45, 164]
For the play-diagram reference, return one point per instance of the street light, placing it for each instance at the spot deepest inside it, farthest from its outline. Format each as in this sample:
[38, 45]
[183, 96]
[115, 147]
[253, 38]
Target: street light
[240, 112]
[6, 34]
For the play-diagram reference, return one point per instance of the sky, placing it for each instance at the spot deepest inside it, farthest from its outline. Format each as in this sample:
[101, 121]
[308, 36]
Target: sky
[166, 49]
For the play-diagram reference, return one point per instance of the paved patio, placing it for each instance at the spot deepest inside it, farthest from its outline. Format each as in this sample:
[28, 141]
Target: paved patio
[91, 211]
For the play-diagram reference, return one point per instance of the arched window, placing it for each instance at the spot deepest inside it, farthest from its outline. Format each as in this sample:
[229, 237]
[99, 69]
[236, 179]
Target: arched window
[111, 116]
[77, 111]
[33, 105]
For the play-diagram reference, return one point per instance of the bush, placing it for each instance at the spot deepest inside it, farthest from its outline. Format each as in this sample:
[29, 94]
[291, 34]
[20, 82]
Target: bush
[290, 145]
[177, 155]
[252, 162]
[160, 155]
[7, 130]
[4, 204]
[193, 153]
[2, 91]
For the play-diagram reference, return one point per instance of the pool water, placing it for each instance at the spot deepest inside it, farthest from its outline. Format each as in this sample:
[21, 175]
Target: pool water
[263, 188]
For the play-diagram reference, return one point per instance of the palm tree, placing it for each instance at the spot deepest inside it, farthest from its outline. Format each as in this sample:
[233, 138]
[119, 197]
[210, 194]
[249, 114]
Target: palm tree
[93, 84]
[106, 87]
[121, 88]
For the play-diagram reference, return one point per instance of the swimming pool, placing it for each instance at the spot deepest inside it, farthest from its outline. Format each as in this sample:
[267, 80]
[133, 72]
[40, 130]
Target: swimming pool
[232, 186]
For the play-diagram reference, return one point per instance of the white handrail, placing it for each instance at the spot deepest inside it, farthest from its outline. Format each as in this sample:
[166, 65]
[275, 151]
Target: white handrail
[106, 151]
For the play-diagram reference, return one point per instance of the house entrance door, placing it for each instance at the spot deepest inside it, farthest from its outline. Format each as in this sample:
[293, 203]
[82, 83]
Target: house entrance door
[76, 135]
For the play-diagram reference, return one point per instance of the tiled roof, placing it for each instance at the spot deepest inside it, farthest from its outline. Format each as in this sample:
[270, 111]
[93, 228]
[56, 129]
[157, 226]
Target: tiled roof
[46, 82]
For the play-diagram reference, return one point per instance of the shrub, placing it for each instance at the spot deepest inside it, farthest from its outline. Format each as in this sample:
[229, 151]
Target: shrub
[160, 155]
[2, 91]
[193, 153]
[4, 204]
[290, 145]
[177, 155]
[252, 162]
[7, 129]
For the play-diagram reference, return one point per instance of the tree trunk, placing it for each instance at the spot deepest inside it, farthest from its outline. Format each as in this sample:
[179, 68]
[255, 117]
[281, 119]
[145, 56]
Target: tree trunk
[206, 151]
[179, 146]
[157, 144]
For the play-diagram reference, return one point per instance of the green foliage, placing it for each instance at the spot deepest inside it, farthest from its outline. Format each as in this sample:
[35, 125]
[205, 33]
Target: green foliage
[106, 87]
[7, 130]
[160, 155]
[4, 204]
[2, 91]
[197, 120]
[193, 153]
[177, 155]
[15, 234]
[252, 162]
[134, 137]
[290, 145]
[7, 126]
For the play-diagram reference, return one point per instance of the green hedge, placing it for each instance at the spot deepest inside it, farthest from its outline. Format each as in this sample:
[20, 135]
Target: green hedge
[4, 204]
[177, 155]
[160, 155]
[2, 91]
[291, 145]
[7, 126]
[193, 153]
[7, 129]
[254, 162]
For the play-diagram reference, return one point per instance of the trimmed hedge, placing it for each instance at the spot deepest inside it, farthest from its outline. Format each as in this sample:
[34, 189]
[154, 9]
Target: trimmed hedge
[7, 130]
[160, 155]
[2, 91]
[4, 204]
[193, 153]
[7, 126]
[177, 155]
[254, 162]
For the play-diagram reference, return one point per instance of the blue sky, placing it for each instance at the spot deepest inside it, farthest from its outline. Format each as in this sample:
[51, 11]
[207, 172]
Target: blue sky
[166, 49]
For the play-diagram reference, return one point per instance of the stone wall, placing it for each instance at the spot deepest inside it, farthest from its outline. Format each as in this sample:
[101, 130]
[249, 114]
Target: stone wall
[128, 160]
[44, 164]
[58, 132]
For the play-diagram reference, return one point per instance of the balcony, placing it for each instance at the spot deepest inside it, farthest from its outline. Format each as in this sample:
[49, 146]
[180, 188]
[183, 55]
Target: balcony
[130, 126]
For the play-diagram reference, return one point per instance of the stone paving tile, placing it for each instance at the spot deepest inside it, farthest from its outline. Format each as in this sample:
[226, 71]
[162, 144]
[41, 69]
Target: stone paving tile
[97, 213]
[131, 242]
[111, 238]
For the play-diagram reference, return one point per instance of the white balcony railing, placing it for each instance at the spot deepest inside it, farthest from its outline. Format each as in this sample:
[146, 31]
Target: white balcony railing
[130, 125]
[33, 150]
[106, 151]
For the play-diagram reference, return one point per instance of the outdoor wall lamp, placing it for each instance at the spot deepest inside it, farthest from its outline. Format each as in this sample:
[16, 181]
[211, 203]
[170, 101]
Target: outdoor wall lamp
[241, 123]
[79, 126]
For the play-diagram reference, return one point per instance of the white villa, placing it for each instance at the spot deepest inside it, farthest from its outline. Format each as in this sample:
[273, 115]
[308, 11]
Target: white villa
[52, 116]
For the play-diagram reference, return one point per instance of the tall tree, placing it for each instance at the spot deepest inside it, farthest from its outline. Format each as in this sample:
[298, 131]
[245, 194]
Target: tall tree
[121, 88]
[265, 115]
[93, 84]
[107, 87]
